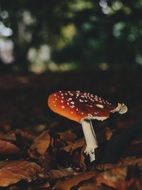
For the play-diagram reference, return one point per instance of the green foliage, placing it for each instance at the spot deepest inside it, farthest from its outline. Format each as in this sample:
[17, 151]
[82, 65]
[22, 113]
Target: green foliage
[83, 32]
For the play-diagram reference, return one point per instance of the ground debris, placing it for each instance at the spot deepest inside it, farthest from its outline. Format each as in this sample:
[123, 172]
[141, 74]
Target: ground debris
[12, 172]
[8, 148]
[40, 145]
[40, 150]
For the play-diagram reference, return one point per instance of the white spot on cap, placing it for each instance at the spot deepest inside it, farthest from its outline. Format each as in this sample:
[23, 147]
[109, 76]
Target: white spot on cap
[71, 94]
[90, 115]
[92, 99]
[72, 102]
[100, 106]
[72, 106]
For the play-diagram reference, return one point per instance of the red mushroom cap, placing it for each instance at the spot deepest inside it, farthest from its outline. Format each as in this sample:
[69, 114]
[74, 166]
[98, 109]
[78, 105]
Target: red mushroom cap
[76, 105]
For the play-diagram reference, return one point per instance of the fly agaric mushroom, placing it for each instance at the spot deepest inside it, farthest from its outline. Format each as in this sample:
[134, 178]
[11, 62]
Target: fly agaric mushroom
[82, 107]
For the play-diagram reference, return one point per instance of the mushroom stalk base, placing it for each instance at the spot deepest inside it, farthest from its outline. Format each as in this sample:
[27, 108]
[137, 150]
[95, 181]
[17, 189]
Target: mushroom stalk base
[90, 138]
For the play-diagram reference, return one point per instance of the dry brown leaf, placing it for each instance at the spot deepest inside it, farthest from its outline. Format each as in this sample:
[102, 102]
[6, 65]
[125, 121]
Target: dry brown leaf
[76, 151]
[67, 136]
[108, 133]
[92, 186]
[40, 145]
[25, 134]
[132, 184]
[74, 181]
[8, 148]
[44, 186]
[9, 136]
[82, 159]
[126, 161]
[72, 146]
[113, 177]
[58, 174]
[131, 161]
[12, 172]
[105, 166]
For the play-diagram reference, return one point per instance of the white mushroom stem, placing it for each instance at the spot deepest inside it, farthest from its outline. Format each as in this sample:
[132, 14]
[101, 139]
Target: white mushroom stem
[90, 138]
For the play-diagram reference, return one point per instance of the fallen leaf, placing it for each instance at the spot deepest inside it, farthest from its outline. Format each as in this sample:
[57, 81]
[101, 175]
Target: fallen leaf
[75, 151]
[92, 186]
[10, 136]
[72, 146]
[66, 136]
[104, 166]
[74, 181]
[131, 161]
[8, 148]
[108, 133]
[58, 174]
[12, 172]
[132, 184]
[112, 177]
[40, 145]
[25, 134]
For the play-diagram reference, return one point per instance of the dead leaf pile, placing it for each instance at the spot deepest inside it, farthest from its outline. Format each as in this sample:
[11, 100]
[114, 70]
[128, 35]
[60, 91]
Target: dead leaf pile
[41, 151]
[12, 172]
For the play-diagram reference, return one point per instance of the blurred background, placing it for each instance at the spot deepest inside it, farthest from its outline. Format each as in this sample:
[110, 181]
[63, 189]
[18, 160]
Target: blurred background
[60, 35]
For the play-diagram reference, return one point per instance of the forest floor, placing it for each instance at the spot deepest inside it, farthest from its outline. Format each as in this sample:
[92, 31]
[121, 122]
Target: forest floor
[42, 150]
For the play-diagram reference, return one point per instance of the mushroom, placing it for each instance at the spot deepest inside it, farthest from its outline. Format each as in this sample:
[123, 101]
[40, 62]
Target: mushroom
[82, 107]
